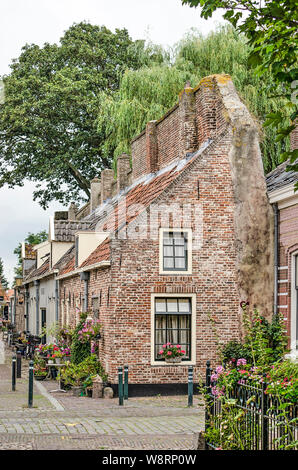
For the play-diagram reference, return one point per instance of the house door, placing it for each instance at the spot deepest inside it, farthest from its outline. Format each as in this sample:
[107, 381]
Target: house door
[43, 323]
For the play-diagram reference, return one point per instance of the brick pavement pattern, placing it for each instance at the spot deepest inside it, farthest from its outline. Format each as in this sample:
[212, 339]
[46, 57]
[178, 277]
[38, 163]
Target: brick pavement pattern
[84, 423]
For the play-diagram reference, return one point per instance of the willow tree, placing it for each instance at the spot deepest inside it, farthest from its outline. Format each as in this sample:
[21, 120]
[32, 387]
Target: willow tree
[144, 95]
[147, 93]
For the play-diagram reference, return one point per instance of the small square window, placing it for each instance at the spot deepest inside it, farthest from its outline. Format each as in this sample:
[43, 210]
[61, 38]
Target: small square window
[175, 251]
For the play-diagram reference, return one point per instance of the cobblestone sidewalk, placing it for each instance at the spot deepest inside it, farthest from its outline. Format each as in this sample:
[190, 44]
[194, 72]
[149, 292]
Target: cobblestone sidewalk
[61, 421]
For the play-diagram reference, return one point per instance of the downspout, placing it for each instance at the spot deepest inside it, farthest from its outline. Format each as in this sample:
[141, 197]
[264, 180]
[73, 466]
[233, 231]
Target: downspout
[36, 283]
[57, 300]
[27, 306]
[14, 306]
[276, 257]
[85, 276]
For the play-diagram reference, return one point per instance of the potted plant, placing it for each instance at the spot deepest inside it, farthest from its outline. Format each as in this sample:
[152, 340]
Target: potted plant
[57, 356]
[40, 374]
[172, 353]
[88, 385]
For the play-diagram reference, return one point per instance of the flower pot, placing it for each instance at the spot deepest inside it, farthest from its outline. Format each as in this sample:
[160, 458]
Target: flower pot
[50, 361]
[67, 358]
[173, 360]
[39, 377]
[58, 360]
[77, 391]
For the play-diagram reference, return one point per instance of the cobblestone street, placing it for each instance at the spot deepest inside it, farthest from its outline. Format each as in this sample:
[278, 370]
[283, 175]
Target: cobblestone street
[62, 421]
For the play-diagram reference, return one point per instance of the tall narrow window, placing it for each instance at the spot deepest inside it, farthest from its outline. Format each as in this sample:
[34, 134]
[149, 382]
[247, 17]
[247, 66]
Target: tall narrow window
[175, 251]
[173, 324]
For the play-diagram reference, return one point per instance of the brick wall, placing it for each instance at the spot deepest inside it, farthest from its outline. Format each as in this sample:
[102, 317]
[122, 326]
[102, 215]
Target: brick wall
[233, 264]
[288, 244]
[199, 115]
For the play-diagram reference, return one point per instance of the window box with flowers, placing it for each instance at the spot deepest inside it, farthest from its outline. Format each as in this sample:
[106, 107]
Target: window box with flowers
[172, 354]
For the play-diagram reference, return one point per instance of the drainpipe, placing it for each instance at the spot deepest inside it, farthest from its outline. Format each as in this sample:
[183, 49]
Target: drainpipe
[14, 305]
[276, 260]
[27, 306]
[85, 276]
[57, 300]
[36, 283]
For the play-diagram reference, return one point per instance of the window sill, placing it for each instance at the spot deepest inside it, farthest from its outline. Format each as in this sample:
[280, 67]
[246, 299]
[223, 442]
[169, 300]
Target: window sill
[176, 273]
[177, 364]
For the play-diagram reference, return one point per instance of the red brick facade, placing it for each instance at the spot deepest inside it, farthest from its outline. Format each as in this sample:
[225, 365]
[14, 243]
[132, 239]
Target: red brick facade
[236, 234]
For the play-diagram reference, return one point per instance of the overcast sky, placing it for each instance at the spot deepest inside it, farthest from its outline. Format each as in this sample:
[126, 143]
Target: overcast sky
[39, 21]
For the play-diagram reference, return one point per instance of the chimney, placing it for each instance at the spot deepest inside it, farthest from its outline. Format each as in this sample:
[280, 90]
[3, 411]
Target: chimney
[95, 187]
[187, 116]
[123, 169]
[72, 211]
[107, 178]
[151, 147]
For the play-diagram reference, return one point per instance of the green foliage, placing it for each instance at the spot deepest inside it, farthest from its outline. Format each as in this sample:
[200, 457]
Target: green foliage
[271, 28]
[252, 368]
[144, 95]
[234, 350]
[77, 374]
[31, 239]
[79, 351]
[47, 121]
[264, 343]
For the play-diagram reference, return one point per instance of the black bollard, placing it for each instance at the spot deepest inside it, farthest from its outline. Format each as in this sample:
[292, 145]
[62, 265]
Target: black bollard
[30, 390]
[190, 386]
[13, 373]
[19, 364]
[125, 382]
[120, 385]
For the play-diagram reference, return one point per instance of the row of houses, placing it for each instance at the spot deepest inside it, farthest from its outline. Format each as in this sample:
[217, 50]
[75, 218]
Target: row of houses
[188, 229]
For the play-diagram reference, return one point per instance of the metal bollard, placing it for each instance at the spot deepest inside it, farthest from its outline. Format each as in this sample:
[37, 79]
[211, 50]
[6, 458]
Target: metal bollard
[120, 385]
[125, 382]
[190, 386]
[30, 391]
[13, 375]
[19, 365]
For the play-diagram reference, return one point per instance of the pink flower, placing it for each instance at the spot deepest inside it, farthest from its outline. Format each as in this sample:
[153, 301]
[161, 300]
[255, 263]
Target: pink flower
[160, 352]
[169, 353]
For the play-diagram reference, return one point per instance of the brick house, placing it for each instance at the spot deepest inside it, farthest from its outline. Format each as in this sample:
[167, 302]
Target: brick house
[41, 264]
[280, 184]
[186, 234]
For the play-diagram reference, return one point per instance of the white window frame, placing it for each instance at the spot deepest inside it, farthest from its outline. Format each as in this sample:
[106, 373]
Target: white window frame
[192, 297]
[179, 272]
[293, 333]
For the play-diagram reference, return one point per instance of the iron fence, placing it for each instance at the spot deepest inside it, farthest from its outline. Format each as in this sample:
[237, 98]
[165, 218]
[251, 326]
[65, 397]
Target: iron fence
[261, 421]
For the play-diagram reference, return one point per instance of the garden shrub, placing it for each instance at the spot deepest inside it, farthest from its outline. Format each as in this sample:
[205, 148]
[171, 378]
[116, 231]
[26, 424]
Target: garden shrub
[76, 374]
[79, 350]
[264, 342]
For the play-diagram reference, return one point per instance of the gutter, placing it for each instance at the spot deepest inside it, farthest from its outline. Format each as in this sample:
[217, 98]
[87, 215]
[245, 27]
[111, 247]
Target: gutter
[37, 278]
[101, 264]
